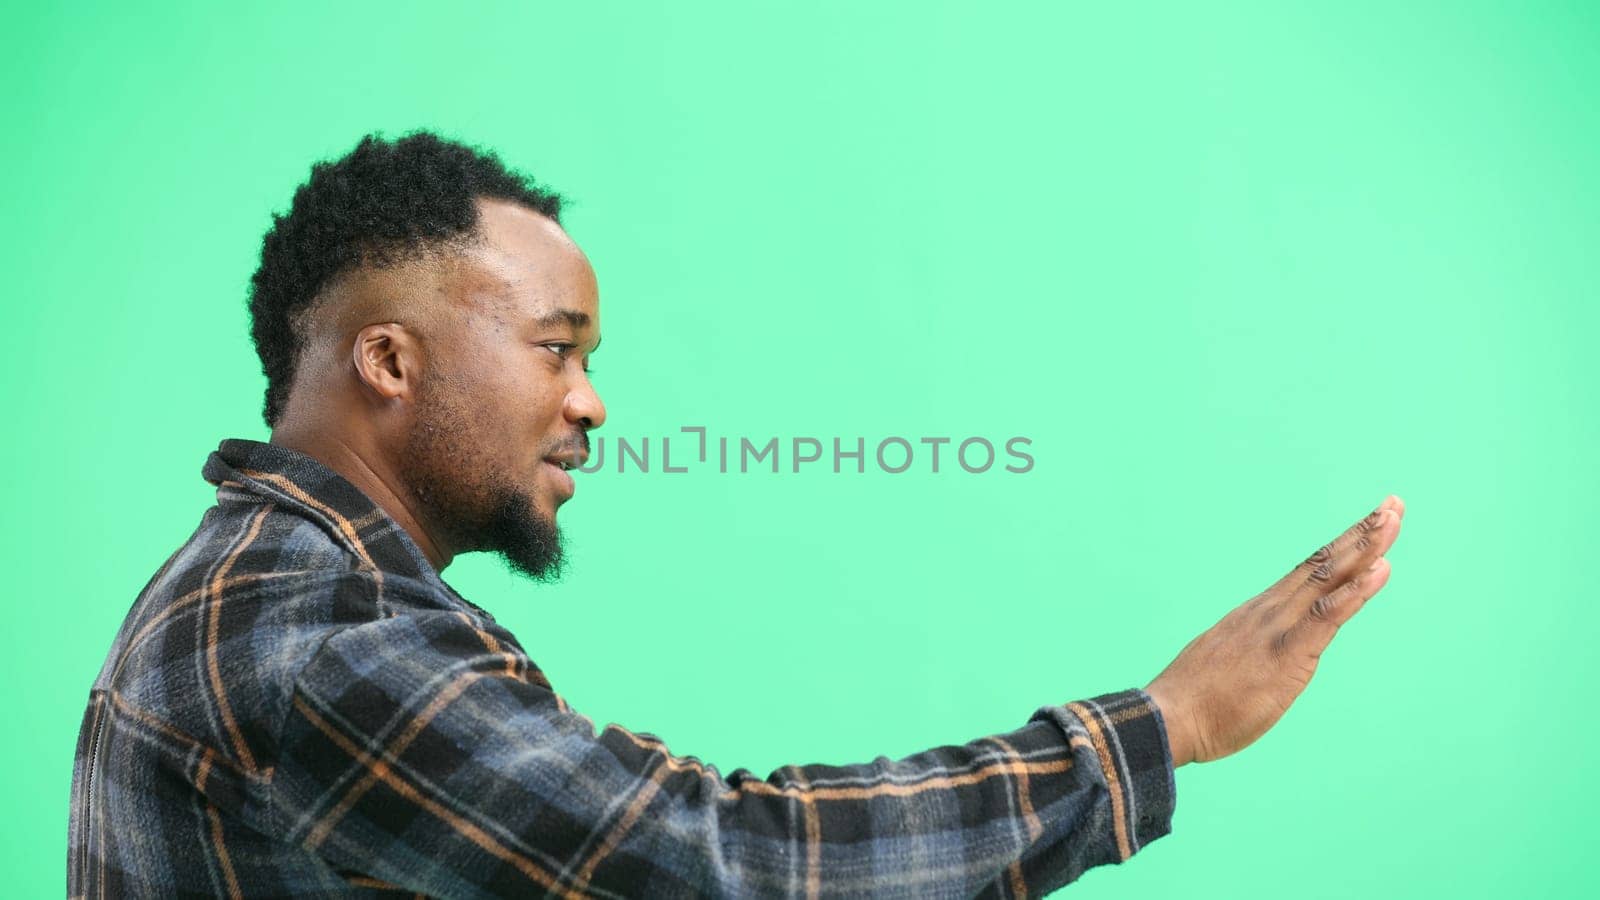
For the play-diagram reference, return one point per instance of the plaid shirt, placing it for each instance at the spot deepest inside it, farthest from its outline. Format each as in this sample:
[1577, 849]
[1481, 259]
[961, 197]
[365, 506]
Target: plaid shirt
[297, 704]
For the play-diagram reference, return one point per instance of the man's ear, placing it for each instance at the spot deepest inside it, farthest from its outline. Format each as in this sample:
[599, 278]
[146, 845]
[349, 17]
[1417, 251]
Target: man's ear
[388, 360]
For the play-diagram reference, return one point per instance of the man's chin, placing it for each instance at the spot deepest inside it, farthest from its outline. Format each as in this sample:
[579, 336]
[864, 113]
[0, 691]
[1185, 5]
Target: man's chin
[543, 568]
[526, 538]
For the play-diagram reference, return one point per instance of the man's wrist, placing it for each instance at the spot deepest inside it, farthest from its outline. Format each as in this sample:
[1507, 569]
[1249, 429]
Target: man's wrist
[1180, 741]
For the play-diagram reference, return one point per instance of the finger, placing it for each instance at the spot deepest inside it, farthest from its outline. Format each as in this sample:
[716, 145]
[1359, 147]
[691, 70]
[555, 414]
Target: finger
[1336, 607]
[1349, 561]
[1395, 503]
[1335, 560]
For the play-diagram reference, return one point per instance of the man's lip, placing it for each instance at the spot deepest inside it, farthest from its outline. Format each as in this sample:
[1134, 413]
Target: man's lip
[575, 459]
[564, 480]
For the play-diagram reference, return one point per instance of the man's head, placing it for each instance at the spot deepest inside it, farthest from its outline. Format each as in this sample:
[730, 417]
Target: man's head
[421, 306]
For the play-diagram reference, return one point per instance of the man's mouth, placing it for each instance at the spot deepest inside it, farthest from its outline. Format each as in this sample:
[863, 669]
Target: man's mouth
[568, 460]
[563, 464]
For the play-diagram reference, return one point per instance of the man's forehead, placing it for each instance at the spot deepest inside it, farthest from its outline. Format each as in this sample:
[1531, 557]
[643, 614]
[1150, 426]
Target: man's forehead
[525, 265]
[521, 231]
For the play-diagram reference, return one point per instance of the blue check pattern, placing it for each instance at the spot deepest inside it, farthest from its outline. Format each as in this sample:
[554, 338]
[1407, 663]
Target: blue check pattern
[298, 705]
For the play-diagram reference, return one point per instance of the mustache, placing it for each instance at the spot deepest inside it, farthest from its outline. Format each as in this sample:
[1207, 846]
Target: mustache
[579, 441]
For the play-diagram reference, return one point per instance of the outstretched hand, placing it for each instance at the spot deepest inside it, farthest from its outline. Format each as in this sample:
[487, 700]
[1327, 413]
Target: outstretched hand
[1232, 683]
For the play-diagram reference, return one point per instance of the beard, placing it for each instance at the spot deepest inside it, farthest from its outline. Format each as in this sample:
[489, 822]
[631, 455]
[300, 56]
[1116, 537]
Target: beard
[463, 494]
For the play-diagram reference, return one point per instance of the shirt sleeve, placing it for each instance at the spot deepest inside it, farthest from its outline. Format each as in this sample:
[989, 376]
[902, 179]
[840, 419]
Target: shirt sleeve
[424, 752]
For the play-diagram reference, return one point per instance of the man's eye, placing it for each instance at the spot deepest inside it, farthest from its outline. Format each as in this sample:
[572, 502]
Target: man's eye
[565, 350]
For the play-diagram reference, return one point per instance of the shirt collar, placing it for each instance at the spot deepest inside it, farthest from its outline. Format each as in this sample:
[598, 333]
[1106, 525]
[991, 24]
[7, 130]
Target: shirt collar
[298, 482]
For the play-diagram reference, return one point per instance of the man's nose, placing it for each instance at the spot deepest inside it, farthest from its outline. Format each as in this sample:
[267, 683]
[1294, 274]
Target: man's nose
[584, 407]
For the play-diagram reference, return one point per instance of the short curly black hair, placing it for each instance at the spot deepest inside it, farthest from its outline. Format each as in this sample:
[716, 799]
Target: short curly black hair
[382, 203]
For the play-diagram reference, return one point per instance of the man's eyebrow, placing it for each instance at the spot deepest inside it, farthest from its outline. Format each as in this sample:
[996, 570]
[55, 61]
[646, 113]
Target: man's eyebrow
[563, 317]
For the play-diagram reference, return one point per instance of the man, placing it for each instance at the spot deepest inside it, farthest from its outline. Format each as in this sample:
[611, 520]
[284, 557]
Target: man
[298, 704]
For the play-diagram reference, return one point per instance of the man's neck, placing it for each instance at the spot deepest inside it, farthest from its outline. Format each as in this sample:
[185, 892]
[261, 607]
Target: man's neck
[365, 470]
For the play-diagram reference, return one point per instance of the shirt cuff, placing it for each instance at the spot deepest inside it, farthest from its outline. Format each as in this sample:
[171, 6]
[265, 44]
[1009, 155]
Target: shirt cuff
[1129, 737]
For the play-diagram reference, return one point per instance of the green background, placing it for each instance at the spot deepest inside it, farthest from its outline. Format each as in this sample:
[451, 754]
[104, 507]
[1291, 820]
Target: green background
[1237, 273]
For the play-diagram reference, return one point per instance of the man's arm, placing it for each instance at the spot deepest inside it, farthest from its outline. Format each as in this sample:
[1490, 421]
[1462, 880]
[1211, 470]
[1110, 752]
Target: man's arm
[421, 751]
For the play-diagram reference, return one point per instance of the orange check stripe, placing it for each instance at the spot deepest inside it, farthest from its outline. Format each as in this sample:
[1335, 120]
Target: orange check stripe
[156, 724]
[808, 806]
[489, 642]
[1109, 765]
[1019, 887]
[339, 521]
[172, 609]
[413, 728]
[213, 627]
[202, 774]
[222, 853]
[887, 789]
[1024, 799]
[468, 830]
[635, 809]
